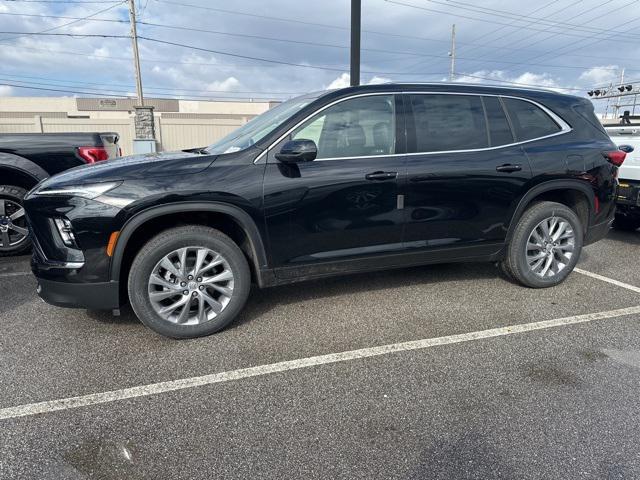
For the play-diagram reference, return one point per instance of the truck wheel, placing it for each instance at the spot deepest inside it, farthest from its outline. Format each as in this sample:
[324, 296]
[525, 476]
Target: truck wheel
[545, 246]
[14, 235]
[189, 282]
[626, 223]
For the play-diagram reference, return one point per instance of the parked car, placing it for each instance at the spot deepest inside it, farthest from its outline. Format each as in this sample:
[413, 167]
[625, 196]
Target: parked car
[628, 199]
[28, 158]
[352, 180]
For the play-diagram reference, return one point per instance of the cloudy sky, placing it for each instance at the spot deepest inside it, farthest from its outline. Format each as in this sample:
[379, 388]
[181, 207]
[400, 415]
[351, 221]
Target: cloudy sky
[277, 48]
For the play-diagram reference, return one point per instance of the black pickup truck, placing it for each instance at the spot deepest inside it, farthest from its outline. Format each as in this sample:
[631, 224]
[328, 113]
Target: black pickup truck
[28, 158]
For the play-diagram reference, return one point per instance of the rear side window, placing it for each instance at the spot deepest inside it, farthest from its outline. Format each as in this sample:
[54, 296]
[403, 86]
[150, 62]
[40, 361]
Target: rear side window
[448, 122]
[499, 129]
[529, 121]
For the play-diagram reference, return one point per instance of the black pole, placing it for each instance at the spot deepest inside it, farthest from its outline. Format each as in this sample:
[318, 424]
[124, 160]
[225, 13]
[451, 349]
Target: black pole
[355, 42]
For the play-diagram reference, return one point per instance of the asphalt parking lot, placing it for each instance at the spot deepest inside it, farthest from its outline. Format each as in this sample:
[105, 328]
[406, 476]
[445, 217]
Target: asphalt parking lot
[443, 372]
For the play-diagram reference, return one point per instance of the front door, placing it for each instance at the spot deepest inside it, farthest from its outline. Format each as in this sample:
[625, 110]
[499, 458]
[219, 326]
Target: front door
[344, 204]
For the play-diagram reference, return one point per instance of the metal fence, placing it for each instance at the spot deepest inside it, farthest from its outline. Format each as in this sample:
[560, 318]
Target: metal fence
[173, 131]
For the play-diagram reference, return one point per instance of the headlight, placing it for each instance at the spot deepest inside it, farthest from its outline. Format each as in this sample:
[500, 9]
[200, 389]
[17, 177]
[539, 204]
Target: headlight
[85, 191]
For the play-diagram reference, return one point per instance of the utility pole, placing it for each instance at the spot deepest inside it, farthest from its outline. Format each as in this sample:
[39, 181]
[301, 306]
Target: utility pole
[136, 55]
[452, 53]
[144, 141]
[356, 12]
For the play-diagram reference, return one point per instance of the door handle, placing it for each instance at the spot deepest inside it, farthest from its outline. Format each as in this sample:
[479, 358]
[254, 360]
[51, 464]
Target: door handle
[381, 175]
[508, 168]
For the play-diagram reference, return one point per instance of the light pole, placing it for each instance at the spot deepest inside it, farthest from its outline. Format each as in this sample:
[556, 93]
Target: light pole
[356, 12]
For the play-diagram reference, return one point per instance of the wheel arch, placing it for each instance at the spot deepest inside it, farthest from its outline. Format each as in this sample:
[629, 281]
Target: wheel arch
[257, 255]
[20, 171]
[575, 194]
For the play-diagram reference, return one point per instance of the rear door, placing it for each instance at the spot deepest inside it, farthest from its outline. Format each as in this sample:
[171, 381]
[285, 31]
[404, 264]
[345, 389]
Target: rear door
[464, 172]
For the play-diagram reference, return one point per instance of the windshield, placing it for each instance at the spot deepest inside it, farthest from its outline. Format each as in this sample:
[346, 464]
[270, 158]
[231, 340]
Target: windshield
[259, 127]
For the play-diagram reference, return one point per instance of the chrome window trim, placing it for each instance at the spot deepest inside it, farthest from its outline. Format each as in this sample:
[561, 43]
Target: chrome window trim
[564, 126]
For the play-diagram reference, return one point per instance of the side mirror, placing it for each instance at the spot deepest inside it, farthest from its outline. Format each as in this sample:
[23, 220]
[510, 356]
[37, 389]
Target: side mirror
[626, 148]
[296, 151]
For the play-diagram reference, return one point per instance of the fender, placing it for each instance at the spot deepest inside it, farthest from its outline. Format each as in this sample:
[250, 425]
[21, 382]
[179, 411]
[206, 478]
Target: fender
[22, 165]
[548, 186]
[239, 215]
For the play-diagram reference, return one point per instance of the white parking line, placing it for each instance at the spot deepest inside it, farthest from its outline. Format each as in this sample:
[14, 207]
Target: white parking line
[608, 280]
[14, 274]
[181, 384]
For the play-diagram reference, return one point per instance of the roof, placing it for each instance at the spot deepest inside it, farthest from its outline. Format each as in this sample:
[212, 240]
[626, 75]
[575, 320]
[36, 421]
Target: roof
[459, 87]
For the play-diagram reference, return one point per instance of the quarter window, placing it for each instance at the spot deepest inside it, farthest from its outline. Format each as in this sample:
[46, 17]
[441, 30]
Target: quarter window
[448, 122]
[529, 121]
[358, 127]
[499, 130]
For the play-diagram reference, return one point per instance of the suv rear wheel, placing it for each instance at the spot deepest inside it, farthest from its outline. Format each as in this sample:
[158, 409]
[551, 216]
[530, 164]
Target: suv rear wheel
[14, 235]
[189, 282]
[545, 246]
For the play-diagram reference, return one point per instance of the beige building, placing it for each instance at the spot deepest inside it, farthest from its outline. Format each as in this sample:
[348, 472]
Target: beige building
[179, 123]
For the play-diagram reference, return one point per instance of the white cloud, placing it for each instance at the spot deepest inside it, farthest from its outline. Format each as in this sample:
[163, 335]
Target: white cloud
[5, 90]
[500, 77]
[344, 80]
[601, 75]
[100, 53]
[341, 82]
[226, 85]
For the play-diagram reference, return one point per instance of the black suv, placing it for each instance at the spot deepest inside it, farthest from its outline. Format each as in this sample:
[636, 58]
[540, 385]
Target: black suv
[364, 178]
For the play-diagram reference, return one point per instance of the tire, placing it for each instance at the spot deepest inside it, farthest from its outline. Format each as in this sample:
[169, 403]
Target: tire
[162, 255]
[628, 224]
[558, 257]
[12, 241]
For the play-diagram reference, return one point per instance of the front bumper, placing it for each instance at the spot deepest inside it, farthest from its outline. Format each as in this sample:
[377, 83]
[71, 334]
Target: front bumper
[55, 287]
[94, 296]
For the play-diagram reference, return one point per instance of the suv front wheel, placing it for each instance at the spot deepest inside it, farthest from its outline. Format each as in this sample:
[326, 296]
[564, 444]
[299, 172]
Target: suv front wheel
[545, 246]
[189, 282]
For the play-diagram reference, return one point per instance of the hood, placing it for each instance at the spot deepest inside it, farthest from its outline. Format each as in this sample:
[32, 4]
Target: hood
[148, 165]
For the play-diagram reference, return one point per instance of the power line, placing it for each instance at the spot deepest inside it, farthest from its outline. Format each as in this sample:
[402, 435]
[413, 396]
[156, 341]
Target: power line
[565, 31]
[74, 35]
[127, 93]
[63, 17]
[77, 2]
[319, 67]
[517, 16]
[495, 30]
[66, 81]
[44, 32]
[615, 34]
[584, 12]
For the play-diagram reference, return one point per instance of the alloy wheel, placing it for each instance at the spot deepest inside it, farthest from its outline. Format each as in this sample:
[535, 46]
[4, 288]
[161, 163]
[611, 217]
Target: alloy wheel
[550, 247]
[190, 285]
[13, 224]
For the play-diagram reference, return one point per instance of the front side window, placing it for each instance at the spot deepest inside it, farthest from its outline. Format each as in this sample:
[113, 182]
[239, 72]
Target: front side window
[358, 127]
[529, 121]
[259, 127]
[448, 122]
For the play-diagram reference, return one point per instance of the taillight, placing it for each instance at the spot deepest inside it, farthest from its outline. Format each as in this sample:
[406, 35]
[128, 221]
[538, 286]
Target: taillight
[93, 154]
[615, 157]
